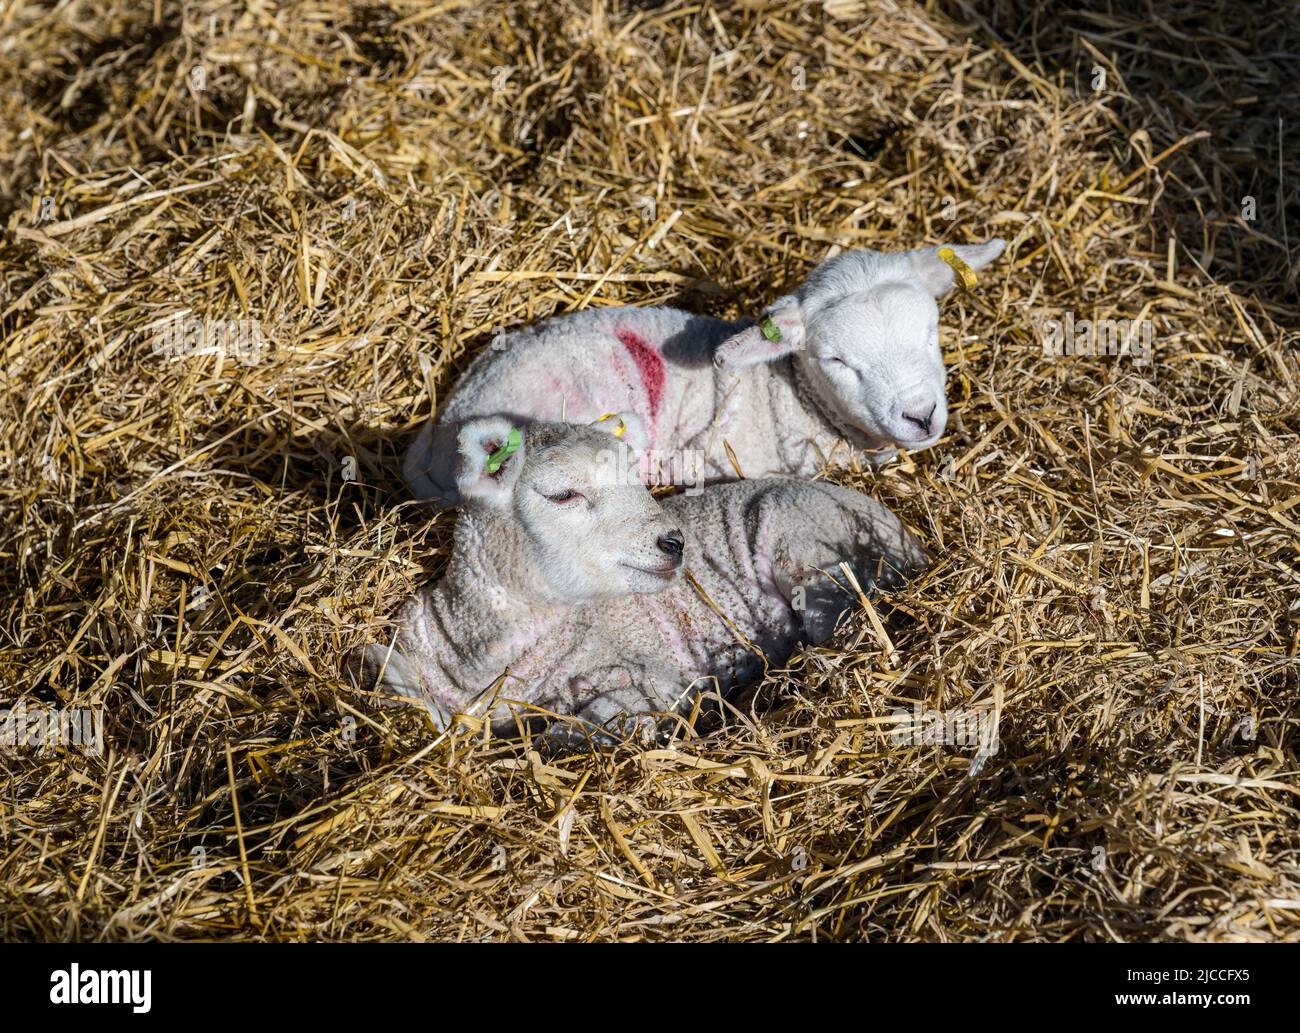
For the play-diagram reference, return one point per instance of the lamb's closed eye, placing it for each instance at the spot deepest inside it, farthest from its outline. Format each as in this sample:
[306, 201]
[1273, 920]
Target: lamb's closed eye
[565, 496]
[833, 364]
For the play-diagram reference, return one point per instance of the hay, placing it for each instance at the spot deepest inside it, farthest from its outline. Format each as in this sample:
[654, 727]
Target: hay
[376, 191]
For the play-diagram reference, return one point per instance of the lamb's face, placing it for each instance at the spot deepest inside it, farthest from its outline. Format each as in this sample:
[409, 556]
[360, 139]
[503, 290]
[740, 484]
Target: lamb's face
[591, 528]
[873, 358]
[863, 332]
[596, 529]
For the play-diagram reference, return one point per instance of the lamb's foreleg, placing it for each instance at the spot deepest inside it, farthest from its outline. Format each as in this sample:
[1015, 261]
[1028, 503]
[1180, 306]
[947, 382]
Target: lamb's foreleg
[388, 671]
[404, 668]
[623, 701]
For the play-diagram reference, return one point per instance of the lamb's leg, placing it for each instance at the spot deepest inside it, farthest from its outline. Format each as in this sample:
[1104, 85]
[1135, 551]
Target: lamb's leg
[820, 601]
[387, 672]
[839, 527]
[630, 702]
[608, 719]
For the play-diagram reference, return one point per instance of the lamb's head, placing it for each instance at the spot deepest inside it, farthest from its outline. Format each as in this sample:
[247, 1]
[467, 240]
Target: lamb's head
[583, 525]
[864, 335]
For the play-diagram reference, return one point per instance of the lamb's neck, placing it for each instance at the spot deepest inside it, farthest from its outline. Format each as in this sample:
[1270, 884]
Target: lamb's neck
[490, 606]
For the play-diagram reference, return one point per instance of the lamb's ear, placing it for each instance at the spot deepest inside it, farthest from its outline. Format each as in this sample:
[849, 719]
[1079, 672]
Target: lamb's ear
[489, 456]
[628, 427]
[778, 332]
[937, 276]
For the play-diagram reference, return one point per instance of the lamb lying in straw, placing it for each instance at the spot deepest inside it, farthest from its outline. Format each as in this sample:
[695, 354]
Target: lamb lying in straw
[567, 577]
[852, 358]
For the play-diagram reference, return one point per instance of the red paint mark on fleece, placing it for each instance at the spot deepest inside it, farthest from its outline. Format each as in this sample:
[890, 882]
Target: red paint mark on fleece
[648, 364]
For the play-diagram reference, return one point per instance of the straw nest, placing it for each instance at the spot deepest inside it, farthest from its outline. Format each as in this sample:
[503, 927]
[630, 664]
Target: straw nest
[192, 537]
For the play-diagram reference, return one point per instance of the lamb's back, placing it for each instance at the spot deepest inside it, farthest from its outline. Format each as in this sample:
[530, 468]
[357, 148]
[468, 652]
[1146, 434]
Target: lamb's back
[584, 363]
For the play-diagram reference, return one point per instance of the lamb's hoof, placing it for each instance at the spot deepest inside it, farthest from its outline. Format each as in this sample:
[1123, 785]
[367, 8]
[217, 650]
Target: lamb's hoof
[576, 735]
[561, 737]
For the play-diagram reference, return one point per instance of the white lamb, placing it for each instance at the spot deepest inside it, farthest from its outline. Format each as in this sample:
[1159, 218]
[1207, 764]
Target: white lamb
[850, 361]
[566, 577]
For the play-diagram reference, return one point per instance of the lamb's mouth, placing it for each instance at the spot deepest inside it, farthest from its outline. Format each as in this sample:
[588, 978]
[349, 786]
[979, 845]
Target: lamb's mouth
[667, 572]
[918, 444]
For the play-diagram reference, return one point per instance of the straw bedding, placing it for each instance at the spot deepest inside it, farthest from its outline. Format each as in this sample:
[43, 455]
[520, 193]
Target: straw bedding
[248, 246]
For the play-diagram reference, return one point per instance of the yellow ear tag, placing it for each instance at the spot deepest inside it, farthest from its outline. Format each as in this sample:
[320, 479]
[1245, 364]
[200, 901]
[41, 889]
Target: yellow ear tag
[622, 427]
[965, 274]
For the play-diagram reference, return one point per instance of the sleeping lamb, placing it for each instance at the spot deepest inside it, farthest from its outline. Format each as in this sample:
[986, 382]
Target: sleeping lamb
[851, 359]
[566, 576]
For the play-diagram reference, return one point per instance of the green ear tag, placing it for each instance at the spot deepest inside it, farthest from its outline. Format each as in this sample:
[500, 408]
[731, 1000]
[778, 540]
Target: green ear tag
[770, 330]
[503, 453]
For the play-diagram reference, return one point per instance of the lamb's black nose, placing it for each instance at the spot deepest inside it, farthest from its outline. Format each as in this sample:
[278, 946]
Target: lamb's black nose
[922, 421]
[671, 544]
